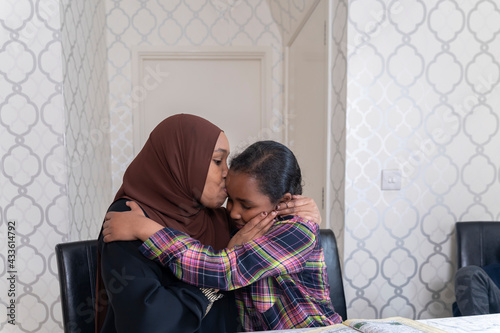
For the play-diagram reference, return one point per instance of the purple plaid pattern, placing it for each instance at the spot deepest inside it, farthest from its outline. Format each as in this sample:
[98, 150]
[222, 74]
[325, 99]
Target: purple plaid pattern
[280, 278]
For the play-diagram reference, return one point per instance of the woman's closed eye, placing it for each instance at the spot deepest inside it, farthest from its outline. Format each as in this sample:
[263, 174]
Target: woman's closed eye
[218, 162]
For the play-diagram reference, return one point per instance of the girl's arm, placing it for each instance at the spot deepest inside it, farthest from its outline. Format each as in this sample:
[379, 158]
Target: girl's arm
[133, 225]
[283, 250]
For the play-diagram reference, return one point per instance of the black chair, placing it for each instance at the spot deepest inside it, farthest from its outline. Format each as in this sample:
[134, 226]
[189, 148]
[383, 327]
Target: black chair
[77, 266]
[478, 243]
[334, 271]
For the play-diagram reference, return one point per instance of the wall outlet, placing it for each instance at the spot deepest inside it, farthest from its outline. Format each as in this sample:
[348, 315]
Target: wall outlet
[391, 179]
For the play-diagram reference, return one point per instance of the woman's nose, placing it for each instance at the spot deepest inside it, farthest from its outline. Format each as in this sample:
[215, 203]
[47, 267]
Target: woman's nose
[225, 170]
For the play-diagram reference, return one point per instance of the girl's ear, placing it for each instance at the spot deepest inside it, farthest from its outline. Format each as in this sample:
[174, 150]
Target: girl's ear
[287, 197]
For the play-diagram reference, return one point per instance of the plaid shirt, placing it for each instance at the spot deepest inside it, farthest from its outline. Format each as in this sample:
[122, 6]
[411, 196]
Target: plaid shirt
[280, 278]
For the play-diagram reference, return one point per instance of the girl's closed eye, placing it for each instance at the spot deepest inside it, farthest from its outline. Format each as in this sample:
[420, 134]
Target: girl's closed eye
[217, 162]
[245, 207]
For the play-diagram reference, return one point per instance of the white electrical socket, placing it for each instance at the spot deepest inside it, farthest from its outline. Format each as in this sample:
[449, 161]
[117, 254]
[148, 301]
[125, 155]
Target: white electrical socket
[391, 179]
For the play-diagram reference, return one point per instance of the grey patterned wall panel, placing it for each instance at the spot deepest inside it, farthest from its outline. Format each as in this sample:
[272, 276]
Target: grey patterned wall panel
[337, 127]
[423, 80]
[55, 156]
[32, 176]
[86, 95]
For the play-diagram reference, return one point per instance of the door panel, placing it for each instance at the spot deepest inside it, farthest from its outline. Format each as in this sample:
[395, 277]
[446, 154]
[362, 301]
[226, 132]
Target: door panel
[229, 88]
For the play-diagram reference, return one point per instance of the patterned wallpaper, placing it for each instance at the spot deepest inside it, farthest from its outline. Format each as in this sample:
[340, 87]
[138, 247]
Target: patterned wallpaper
[422, 97]
[32, 147]
[413, 86]
[54, 156]
[337, 33]
[288, 15]
[86, 96]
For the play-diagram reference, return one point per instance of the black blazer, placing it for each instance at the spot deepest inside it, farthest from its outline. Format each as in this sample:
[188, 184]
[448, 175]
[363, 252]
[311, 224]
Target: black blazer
[146, 297]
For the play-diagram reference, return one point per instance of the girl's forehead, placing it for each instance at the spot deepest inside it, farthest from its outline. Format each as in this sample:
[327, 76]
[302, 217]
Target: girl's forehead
[241, 181]
[243, 186]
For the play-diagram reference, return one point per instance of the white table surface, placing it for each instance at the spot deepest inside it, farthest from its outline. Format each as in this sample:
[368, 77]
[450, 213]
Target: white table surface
[484, 324]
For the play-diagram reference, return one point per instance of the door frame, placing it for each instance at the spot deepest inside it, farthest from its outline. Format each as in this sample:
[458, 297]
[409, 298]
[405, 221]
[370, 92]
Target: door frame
[286, 94]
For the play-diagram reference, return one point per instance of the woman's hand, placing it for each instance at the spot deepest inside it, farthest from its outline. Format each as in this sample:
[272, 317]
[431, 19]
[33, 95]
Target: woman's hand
[302, 206]
[127, 226]
[254, 229]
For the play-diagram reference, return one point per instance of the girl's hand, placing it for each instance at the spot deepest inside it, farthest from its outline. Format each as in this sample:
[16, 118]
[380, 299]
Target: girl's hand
[254, 229]
[302, 206]
[127, 226]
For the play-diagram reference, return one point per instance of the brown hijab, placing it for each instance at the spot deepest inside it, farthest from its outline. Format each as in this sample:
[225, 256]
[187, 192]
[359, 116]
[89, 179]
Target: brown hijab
[167, 179]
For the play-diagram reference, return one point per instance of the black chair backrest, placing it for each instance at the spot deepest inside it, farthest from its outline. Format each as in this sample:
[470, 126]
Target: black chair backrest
[478, 243]
[329, 244]
[77, 266]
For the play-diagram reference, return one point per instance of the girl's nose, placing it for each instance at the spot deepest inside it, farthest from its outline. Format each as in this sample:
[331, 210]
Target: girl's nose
[233, 212]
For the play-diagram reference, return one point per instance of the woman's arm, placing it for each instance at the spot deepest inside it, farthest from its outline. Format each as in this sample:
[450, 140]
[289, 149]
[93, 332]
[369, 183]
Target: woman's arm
[283, 250]
[133, 225]
[304, 207]
[128, 225]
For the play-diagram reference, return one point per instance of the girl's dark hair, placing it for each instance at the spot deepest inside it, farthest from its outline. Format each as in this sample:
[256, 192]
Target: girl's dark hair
[273, 165]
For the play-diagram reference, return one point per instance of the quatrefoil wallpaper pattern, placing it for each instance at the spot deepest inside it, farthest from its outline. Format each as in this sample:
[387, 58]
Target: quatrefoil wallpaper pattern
[55, 152]
[422, 97]
[64, 66]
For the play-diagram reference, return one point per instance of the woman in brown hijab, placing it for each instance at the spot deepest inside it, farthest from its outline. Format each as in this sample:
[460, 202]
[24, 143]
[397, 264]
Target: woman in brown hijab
[178, 179]
[167, 179]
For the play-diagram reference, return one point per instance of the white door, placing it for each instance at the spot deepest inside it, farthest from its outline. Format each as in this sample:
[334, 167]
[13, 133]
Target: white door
[227, 86]
[307, 101]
